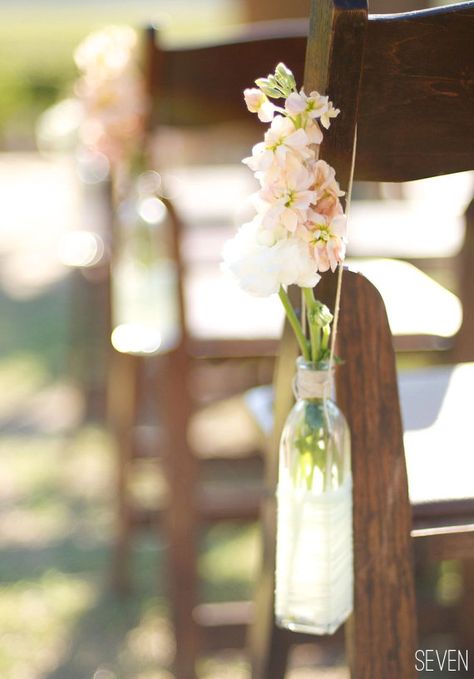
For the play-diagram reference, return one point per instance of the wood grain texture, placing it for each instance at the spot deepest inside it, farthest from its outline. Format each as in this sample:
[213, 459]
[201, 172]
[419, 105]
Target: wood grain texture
[382, 634]
[334, 61]
[417, 95]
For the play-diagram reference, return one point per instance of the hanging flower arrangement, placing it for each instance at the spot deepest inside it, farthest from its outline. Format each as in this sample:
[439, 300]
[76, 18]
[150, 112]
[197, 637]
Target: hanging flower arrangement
[112, 92]
[299, 232]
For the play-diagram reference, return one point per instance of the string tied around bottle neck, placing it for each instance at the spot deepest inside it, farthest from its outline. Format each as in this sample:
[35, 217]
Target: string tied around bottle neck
[310, 382]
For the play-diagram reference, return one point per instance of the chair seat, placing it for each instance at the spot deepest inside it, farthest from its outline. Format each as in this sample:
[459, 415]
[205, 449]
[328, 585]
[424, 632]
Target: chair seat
[217, 308]
[412, 298]
[437, 413]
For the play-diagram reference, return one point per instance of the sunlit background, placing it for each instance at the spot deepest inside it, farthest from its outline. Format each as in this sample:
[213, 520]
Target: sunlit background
[60, 617]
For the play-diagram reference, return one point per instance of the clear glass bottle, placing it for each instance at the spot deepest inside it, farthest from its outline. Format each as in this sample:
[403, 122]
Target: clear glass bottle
[314, 562]
[145, 295]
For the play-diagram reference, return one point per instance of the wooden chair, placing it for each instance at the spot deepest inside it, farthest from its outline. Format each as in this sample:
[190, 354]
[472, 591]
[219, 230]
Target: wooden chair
[196, 86]
[395, 80]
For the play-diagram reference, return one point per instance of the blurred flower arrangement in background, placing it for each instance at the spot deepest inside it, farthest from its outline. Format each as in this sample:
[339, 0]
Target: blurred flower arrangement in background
[103, 123]
[112, 93]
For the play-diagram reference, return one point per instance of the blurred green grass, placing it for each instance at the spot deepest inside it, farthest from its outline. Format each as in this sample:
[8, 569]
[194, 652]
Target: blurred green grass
[59, 617]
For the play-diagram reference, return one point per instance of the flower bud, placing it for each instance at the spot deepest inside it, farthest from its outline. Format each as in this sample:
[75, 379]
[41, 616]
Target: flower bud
[268, 88]
[285, 78]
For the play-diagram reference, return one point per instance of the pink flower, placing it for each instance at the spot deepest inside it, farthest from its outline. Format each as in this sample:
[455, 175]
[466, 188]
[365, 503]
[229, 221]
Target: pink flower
[287, 196]
[313, 131]
[328, 190]
[327, 238]
[111, 91]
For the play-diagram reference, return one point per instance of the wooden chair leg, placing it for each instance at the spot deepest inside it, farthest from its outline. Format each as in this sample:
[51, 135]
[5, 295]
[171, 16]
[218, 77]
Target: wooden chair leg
[181, 514]
[268, 646]
[122, 413]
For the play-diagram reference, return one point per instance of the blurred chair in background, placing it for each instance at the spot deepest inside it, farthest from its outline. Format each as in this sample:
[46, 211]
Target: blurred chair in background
[197, 115]
[400, 107]
[225, 341]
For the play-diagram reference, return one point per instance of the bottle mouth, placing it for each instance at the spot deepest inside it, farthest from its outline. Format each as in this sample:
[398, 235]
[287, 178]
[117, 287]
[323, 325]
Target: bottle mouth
[322, 366]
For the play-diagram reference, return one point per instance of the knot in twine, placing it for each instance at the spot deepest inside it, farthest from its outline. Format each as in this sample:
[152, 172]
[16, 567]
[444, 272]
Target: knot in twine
[310, 383]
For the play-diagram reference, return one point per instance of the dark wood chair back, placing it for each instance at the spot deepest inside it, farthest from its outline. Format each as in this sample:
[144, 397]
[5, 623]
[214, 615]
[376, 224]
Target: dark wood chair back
[202, 84]
[404, 84]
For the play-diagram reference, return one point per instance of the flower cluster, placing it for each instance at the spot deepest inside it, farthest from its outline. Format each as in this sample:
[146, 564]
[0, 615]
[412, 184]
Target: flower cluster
[299, 228]
[111, 90]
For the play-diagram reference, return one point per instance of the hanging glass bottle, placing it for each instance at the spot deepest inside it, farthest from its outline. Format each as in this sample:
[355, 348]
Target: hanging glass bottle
[314, 571]
[145, 297]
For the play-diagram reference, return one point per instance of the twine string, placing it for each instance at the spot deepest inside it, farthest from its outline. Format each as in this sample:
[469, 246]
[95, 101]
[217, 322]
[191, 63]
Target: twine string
[309, 383]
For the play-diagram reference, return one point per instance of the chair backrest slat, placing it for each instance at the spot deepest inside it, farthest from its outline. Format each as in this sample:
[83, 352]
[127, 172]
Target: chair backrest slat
[202, 84]
[417, 95]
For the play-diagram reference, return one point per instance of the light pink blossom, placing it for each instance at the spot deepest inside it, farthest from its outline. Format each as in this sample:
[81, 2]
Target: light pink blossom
[328, 190]
[257, 102]
[327, 115]
[287, 198]
[327, 238]
[281, 139]
[313, 105]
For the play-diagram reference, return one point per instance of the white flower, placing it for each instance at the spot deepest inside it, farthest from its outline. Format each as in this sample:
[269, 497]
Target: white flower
[327, 115]
[257, 102]
[262, 269]
[313, 105]
[280, 139]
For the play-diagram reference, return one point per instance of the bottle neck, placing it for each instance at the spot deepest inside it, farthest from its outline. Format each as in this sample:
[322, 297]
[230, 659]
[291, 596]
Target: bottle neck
[312, 383]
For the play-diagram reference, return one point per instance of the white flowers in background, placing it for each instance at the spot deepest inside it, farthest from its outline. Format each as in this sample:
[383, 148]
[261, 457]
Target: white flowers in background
[111, 90]
[299, 229]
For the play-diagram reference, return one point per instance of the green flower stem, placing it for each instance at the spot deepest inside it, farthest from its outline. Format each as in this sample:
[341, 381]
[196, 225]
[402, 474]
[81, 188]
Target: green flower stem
[295, 324]
[325, 338]
[314, 327]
